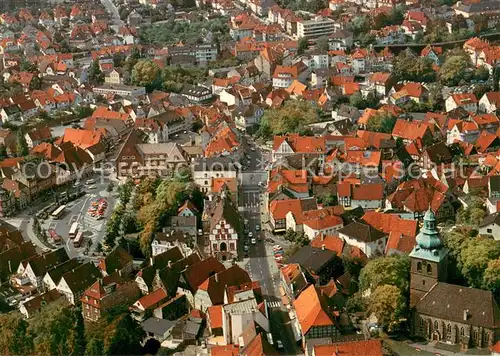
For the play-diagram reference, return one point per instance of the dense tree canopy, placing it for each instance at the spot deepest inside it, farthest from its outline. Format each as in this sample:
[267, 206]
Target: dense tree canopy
[381, 122]
[292, 117]
[388, 304]
[145, 73]
[407, 66]
[474, 260]
[453, 70]
[392, 270]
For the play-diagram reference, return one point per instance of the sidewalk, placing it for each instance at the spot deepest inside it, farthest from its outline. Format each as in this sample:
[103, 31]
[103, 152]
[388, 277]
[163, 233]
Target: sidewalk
[34, 238]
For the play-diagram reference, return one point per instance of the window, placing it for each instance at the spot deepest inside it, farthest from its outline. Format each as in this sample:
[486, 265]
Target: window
[448, 330]
[423, 282]
[436, 325]
[486, 338]
[419, 266]
[489, 231]
[462, 331]
[421, 323]
[475, 335]
[429, 269]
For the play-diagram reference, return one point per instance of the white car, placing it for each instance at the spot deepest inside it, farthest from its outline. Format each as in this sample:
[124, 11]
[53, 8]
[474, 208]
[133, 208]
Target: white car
[245, 248]
[257, 227]
[250, 234]
[279, 343]
[254, 241]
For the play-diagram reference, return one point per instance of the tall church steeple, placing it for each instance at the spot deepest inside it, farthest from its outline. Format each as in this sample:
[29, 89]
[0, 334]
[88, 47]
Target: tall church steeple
[429, 259]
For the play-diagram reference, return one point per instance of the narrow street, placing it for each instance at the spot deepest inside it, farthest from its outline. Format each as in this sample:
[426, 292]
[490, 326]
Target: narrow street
[261, 264]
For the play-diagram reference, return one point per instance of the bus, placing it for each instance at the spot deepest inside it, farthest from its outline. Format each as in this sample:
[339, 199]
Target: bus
[73, 230]
[77, 242]
[59, 212]
[55, 237]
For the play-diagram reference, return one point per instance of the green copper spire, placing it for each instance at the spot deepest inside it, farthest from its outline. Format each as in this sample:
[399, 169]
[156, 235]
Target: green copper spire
[429, 245]
[428, 237]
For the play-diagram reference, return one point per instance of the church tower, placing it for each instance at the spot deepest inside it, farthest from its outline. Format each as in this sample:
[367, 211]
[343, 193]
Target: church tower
[428, 260]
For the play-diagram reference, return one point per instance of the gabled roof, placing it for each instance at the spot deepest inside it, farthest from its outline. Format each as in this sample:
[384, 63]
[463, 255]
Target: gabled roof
[358, 348]
[216, 284]
[198, 273]
[301, 144]
[115, 260]
[451, 302]
[312, 310]
[362, 232]
[152, 299]
[410, 130]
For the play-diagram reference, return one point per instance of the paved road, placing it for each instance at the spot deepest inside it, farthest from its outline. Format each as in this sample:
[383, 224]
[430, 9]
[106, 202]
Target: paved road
[261, 264]
[113, 11]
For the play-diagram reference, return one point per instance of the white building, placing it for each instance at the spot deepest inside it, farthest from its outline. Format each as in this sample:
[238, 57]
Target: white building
[491, 226]
[363, 236]
[315, 28]
[236, 316]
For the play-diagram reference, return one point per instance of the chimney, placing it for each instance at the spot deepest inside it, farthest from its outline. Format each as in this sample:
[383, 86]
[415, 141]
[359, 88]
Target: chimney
[10, 266]
[466, 314]
[120, 273]
[169, 264]
[323, 247]
[216, 278]
[323, 237]
[151, 261]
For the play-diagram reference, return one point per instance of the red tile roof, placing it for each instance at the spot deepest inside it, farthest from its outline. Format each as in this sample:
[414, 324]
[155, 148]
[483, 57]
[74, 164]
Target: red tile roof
[410, 130]
[351, 348]
[215, 316]
[226, 350]
[331, 242]
[311, 310]
[301, 144]
[153, 298]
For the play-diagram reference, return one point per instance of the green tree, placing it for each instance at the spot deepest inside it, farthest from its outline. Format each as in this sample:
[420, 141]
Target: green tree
[392, 270]
[80, 342]
[491, 278]
[357, 100]
[95, 347]
[381, 122]
[406, 66]
[481, 89]
[127, 338]
[302, 45]
[145, 73]
[496, 78]
[27, 66]
[475, 257]
[322, 44]
[95, 73]
[388, 304]
[355, 303]
[482, 73]
[294, 116]
[3, 151]
[473, 214]
[21, 145]
[453, 70]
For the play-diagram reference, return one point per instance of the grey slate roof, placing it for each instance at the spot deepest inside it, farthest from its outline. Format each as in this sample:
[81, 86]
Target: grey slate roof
[450, 301]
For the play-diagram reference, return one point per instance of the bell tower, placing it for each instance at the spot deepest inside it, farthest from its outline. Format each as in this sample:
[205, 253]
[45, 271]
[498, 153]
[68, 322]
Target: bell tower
[428, 260]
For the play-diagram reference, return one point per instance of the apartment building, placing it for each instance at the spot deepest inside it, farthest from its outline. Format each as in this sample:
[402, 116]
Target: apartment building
[315, 28]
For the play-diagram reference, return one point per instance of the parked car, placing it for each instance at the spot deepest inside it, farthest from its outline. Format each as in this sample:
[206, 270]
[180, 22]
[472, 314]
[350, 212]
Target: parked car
[254, 241]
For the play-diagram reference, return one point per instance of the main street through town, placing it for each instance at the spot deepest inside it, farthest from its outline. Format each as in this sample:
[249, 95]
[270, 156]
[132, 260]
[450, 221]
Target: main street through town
[261, 264]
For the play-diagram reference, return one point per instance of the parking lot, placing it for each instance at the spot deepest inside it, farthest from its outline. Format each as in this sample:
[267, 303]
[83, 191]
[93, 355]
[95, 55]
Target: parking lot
[78, 211]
